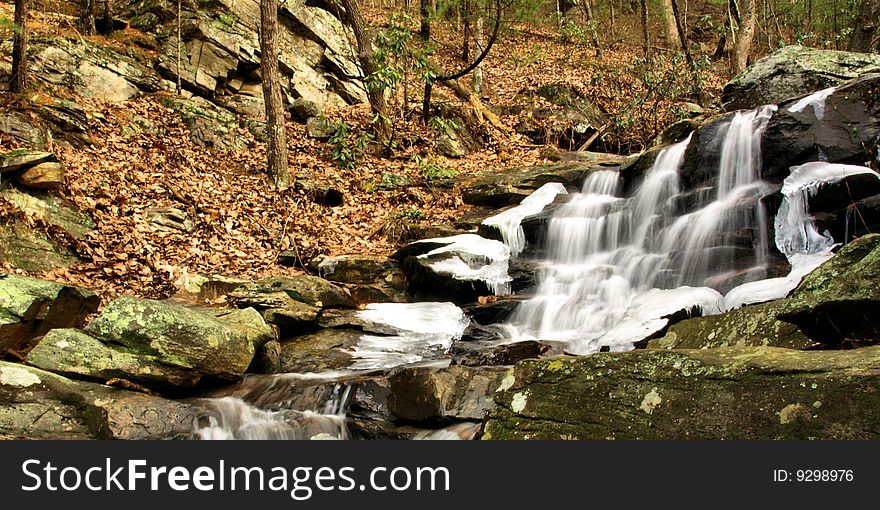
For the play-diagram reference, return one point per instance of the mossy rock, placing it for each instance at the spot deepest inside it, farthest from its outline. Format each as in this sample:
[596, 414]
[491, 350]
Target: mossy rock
[175, 335]
[725, 393]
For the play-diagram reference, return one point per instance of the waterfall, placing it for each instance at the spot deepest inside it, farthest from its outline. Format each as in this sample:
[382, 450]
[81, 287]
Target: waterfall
[605, 252]
[235, 418]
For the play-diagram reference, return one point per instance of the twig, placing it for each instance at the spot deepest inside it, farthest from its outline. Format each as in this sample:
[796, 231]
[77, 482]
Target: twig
[593, 138]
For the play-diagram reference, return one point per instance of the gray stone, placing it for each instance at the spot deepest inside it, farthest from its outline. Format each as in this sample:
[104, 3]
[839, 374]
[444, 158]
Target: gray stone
[725, 393]
[794, 71]
[30, 307]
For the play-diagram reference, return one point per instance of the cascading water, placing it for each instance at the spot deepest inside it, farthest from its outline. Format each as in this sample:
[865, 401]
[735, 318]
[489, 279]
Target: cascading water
[604, 250]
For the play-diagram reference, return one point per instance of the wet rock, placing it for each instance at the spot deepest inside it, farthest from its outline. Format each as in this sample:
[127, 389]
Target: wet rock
[30, 307]
[355, 268]
[324, 350]
[458, 269]
[430, 395]
[856, 220]
[35, 404]
[849, 127]
[468, 354]
[510, 186]
[726, 393]
[267, 359]
[793, 71]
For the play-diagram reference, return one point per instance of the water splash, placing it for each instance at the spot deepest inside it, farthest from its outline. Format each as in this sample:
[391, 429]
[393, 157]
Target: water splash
[509, 222]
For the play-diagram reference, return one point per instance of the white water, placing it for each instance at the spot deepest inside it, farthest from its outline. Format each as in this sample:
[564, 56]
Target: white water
[509, 222]
[608, 255]
[233, 418]
[796, 234]
[422, 331]
[472, 258]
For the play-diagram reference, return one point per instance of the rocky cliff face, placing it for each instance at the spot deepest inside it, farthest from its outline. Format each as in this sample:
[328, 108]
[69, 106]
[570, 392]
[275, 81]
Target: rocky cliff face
[220, 52]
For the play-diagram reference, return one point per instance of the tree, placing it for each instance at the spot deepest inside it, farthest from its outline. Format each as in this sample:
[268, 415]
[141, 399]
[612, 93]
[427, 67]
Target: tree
[670, 23]
[19, 82]
[644, 13]
[862, 38]
[351, 15]
[744, 36]
[108, 17]
[277, 136]
[87, 17]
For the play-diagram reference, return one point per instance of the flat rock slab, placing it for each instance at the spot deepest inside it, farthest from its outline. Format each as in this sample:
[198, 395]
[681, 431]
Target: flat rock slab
[726, 393]
[35, 404]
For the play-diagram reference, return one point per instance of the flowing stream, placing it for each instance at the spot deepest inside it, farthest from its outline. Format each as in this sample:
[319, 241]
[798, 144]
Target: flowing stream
[616, 268]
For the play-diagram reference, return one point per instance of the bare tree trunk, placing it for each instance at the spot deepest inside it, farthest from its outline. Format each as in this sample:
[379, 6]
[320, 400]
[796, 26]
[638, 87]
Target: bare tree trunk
[353, 17]
[19, 82]
[179, 47]
[682, 35]
[425, 15]
[108, 17]
[276, 134]
[477, 81]
[644, 5]
[87, 17]
[744, 38]
[466, 29]
[862, 37]
[671, 26]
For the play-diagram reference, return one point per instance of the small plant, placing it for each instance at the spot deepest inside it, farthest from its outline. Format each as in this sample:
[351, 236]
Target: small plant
[431, 170]
[343, 151]
[442, 125]
[409, 215]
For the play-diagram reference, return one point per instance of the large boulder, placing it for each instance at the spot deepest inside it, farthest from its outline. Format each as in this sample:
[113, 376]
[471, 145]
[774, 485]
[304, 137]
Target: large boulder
[188, 340]
[840, 300]
[726, 393]
[510, 186]
[30, 307]
[35, 404]
[793, 71]
[839, 126]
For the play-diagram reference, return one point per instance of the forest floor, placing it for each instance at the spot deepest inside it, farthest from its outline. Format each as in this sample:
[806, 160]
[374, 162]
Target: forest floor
[242, 223]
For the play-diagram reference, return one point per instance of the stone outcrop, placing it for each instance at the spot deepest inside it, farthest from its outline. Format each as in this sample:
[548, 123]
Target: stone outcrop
[793, 71]
[30, 307]
[726, 393]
